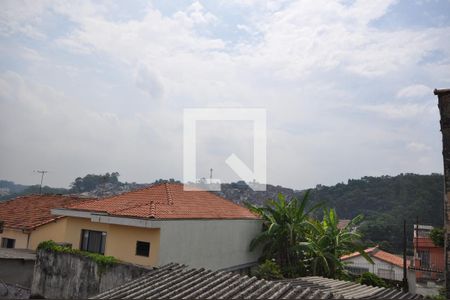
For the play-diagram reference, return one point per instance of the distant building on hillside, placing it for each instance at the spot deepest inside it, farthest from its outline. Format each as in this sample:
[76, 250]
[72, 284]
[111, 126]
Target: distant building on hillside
[386, 265]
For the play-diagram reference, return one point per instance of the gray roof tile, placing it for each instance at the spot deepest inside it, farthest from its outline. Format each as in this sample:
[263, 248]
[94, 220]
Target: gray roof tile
[174, 281]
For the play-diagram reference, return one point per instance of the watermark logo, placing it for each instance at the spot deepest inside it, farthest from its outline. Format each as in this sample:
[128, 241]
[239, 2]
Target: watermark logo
[255, 178]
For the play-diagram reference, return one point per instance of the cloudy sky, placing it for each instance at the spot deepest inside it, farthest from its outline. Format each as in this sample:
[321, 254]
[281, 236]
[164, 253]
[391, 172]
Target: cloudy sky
[91, 87]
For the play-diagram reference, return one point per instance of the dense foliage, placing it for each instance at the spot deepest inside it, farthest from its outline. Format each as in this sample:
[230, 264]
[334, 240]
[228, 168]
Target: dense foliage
[301, 245]
[92, 181]
[269, 270]
[368, 278]
[437, 236]
[326, 243]
[385, 202]
[101, 260]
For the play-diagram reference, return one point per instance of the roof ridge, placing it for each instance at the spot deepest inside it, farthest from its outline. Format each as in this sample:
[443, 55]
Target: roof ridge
[152, 209]
[169, 194]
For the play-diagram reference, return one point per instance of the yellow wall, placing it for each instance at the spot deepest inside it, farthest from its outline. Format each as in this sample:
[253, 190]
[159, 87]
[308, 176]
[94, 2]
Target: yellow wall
[51, 231]
[120, 240]
[20, 237]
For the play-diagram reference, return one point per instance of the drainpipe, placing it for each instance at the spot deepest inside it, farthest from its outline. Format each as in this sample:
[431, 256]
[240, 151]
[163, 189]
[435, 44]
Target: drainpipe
[28, 238]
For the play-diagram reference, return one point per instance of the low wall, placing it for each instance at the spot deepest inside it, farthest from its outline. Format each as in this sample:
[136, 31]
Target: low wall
[17, 271]
[73, 276]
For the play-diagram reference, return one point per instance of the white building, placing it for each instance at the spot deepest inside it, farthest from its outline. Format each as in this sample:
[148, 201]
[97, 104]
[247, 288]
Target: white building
[386, 265]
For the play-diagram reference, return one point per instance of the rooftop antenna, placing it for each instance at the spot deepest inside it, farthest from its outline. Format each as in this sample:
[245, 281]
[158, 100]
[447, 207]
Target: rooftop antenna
[42, 172]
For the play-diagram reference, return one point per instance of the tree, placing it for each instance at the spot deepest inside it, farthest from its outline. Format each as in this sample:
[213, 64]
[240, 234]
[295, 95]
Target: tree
[326, 243]
[284, 227]
[437, 236]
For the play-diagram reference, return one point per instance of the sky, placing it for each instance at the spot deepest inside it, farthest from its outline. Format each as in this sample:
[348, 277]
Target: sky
[95, 87]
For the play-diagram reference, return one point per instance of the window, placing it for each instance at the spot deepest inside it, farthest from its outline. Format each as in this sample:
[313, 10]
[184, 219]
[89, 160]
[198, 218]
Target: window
[93, 241]
[424, 256]
[386, 274]
[142, 248]
[357, 270]
[8, 243]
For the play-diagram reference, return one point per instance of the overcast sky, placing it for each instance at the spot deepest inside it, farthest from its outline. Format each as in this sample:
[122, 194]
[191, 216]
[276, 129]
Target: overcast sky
[92, 87]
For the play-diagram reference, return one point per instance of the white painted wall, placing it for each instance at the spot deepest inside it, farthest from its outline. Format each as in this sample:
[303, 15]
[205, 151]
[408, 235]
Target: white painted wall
[211, 244]
[359, 261]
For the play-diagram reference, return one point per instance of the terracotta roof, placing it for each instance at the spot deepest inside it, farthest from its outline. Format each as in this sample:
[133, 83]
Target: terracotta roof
[380, 254]
[29, 212]
[167, 201]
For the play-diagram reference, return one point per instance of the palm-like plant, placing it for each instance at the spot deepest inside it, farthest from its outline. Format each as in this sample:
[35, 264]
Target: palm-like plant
[326, 243]
[284, 228]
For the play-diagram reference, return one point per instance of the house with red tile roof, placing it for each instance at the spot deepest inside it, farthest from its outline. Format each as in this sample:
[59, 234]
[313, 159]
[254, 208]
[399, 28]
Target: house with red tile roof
[386, 265]
[26, 221]
[164, 223]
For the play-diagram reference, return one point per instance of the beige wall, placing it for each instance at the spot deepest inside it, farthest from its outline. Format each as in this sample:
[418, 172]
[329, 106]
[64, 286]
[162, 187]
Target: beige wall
[120, 240]
[51, 231]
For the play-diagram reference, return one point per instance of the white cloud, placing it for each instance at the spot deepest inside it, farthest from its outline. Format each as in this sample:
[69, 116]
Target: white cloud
[400, 111]
[316, 66]
[418, 147]
[415, 91]
[148, 82]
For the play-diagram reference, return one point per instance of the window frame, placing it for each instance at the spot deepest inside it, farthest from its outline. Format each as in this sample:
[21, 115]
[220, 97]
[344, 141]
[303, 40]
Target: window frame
[85, 237]
[137, 248]
[6, 241]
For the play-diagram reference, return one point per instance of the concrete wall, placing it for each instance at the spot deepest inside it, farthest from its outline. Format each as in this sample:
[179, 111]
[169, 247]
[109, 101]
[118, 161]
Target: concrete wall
[212, 244]
[120, 240]
[17, 271]
[70, 276]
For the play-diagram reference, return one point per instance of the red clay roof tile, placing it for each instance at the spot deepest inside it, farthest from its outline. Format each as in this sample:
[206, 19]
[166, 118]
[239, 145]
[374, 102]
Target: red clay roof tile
[29, 212]
[168, 201]
[380, 254]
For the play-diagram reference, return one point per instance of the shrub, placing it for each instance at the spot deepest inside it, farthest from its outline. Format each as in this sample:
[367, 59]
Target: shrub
[437, 236]
[101, 260]
[269, 270]
[368, 278]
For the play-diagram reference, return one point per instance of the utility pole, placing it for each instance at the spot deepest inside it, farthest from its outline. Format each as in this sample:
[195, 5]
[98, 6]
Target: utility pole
[417, 239]
[210, 175]
[42, 172]
[405, 280]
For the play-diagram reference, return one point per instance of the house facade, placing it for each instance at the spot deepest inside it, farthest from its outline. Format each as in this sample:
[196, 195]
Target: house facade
[162, 224]
[26, 221]
[429, 259]
[386, 265]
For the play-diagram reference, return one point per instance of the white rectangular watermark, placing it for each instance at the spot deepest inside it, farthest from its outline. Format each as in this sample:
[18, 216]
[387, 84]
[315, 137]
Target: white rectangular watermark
[256, 179]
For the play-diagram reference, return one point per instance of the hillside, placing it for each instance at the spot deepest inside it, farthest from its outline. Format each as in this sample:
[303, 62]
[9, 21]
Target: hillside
[384, 201]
